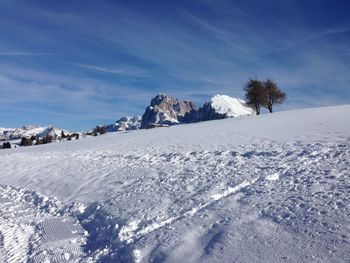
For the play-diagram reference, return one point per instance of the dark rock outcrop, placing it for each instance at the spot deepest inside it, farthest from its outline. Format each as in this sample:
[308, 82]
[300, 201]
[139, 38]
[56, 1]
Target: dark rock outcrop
[204, 113]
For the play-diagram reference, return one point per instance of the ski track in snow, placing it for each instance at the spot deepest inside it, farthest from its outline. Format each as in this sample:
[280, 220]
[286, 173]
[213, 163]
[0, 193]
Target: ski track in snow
[151, 195]
[128, 233]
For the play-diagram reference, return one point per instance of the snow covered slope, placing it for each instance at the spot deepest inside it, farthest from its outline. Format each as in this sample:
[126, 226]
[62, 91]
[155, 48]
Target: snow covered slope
[268, 188]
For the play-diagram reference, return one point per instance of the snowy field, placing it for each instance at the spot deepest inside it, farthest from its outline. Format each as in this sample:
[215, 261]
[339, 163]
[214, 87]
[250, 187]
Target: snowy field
[269, 188]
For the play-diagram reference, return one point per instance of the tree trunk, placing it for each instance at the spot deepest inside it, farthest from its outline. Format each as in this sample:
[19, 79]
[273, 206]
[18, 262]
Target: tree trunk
[257, 109]
[270, 109]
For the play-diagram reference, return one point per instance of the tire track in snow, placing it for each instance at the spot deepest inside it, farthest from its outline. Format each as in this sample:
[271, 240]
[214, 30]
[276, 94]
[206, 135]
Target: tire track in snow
[129, 233]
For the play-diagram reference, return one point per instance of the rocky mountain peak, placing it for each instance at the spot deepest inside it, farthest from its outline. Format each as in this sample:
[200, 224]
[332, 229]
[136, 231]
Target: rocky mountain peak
[168, 110]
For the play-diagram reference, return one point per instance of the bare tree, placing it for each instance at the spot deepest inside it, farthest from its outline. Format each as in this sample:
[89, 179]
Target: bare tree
[99, 130]
[254, 94]
[63, 135]
[272, 95]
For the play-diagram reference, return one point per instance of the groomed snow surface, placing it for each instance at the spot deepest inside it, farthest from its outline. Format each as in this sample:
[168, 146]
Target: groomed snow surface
[269, 188]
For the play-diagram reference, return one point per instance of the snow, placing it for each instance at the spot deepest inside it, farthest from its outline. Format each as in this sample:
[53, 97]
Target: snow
[30, 221]
[124, 124]
[268, 188]
[229, 106]
[273, 177]
[28, 131]
[163, 116]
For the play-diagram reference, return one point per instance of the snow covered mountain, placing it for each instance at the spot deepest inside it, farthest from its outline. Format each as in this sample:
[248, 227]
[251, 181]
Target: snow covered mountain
[220, 107]
[29, 131]
[217, 191]
[124, 124]
[162, 110]
[169, 110]
[229, 106]
[166, 110]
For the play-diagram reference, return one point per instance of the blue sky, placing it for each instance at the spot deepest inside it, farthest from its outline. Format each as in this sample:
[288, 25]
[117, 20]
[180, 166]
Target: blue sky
[76, 64]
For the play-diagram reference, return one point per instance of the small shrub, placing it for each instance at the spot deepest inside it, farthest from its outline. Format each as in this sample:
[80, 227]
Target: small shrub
[26, 142]
[48, 138]
[6, 145]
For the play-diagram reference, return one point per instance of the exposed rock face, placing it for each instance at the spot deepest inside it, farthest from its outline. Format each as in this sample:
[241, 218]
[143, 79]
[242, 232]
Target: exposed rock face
[125, 124]
[166, 110]
[219, 107]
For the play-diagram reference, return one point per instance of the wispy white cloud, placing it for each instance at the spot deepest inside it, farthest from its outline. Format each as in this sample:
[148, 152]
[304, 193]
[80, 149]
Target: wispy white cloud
[126, 70]
[15, 54]
[37, 94]
[180, 51]
[328, 32]
[309, 38]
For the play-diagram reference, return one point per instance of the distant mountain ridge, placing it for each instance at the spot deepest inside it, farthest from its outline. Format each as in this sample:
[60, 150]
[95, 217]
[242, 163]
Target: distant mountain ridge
[29, 131]
[170, 111]
[163, 110]
[125, 123]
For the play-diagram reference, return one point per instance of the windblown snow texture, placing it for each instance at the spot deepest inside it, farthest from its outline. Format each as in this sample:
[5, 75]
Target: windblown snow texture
[218, 191]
